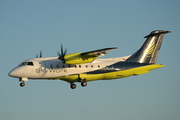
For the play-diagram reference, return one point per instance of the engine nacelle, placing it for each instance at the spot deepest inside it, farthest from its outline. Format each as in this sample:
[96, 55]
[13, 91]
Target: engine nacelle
[77, 58]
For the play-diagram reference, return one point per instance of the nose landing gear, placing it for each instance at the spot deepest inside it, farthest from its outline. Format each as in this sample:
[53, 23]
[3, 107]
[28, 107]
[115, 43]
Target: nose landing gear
[22, 84]
[22, 80]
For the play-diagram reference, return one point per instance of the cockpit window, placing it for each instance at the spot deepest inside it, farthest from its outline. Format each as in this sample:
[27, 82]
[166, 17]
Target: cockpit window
[30, 63]
[23, 63]
[26, 63]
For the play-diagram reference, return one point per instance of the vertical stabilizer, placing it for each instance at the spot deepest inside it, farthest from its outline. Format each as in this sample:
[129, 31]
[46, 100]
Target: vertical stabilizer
[148, 53]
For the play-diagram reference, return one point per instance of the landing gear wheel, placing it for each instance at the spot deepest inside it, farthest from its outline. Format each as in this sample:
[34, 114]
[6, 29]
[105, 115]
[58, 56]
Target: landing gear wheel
[22, 84]
[83, 84]
[73, 86]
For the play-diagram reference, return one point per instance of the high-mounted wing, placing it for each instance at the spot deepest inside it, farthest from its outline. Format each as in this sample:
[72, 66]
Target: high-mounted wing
[85, 57]
[98, 53]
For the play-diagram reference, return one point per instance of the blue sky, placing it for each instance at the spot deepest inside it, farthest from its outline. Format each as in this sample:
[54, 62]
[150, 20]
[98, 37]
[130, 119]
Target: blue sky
[26, 27]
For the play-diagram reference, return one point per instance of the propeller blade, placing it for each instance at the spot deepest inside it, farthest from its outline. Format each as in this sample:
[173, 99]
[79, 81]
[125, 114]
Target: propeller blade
[40, 54]
[62, 50]
[65, 52]
[62, 53]
[58, 53]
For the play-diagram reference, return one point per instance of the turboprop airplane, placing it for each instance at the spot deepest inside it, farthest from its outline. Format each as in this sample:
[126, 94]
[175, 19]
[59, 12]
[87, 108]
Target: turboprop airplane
[84, 67]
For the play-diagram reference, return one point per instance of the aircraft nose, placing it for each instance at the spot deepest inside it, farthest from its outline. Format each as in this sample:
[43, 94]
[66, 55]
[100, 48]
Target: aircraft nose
[13, 73]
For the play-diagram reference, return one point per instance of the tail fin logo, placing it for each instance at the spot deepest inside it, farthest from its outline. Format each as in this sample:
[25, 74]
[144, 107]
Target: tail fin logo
[150, 49]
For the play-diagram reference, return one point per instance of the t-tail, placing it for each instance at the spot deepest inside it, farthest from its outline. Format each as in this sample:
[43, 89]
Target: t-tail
[149, 51]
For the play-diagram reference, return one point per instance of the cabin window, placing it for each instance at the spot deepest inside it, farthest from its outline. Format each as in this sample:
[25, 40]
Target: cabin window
[86, 66]
[51, 66]
[91, 66]
[57, 66]
[79, 66]
[98, 66]
[75, 66]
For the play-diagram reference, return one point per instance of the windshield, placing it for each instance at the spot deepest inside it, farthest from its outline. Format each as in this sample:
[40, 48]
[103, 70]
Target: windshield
[22, 64]
[26, 63]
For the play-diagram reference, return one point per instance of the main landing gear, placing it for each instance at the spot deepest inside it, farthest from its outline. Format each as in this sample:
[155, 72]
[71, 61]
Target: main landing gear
[73, 86]
[83, 84]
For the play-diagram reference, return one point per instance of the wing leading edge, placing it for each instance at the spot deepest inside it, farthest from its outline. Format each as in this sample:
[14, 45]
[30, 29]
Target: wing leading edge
[86, 57]
[97, 53]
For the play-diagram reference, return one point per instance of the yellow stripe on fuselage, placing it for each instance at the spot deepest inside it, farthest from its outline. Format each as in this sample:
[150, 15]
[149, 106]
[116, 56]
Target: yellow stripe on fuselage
[133, 71]
[111, 75]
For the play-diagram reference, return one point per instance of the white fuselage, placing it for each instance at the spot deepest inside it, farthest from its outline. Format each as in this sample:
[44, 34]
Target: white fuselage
[52, 67]
[84, 67]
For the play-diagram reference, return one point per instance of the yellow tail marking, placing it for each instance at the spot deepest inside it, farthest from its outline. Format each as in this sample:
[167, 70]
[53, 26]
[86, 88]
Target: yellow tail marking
[149, 51]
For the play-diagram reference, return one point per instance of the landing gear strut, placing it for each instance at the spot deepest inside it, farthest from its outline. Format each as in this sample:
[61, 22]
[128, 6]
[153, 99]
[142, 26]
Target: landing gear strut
[22, 84]
[83, 82]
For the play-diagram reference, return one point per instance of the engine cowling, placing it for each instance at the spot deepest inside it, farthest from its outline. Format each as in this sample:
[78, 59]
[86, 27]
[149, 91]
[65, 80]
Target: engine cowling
[77, 58]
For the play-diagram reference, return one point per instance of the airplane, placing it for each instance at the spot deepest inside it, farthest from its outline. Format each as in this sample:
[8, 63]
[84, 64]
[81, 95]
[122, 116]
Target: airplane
[86, 66]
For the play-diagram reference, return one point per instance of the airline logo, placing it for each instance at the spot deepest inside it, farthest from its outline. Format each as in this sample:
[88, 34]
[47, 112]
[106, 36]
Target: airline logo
[150, 49]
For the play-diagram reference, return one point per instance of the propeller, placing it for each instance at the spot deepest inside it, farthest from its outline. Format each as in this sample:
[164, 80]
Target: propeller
[62, 54]
[40, 55]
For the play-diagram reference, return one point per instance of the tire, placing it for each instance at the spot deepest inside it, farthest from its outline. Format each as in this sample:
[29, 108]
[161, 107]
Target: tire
[83, 84]
[73, 86]
[22, 84]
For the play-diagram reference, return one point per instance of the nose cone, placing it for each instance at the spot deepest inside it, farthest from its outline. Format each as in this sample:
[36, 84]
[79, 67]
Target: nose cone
[14, 73]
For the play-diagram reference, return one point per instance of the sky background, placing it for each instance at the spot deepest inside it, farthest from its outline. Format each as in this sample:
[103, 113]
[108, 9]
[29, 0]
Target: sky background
[28, 26]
